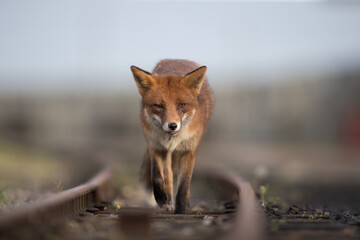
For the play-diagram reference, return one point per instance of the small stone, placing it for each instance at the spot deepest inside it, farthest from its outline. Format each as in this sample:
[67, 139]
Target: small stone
[318, 211]
[293, 209]
[208, 220]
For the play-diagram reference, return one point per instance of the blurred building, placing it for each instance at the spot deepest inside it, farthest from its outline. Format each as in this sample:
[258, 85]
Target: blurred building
[303, 110]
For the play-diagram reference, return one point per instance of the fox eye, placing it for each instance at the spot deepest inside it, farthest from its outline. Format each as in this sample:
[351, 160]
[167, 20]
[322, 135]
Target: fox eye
[158, 106]
[182, 105]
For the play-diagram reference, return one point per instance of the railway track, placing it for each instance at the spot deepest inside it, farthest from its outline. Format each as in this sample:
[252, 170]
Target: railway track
[89, 206]
[89, 212]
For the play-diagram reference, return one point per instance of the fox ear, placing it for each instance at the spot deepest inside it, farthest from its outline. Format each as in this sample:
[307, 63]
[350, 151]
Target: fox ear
[195, 79]
[143, 79]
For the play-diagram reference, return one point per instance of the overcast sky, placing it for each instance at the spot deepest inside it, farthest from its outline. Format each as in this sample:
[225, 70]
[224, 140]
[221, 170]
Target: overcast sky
[64, 44]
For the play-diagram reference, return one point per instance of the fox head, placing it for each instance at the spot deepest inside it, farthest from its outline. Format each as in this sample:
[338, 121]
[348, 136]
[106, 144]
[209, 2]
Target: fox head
[169, 101]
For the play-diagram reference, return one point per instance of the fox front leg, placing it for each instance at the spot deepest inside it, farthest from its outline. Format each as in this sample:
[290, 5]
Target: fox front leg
[161, 182]
[186, 163]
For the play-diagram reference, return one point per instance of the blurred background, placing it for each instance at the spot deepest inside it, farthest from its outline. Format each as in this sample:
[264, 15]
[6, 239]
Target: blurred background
[286, 77]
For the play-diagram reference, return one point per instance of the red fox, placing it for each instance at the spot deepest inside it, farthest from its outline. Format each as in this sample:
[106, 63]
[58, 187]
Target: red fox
[177, 102]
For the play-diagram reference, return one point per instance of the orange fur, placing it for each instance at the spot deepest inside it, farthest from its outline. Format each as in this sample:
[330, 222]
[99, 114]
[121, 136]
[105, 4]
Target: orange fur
[177, 102]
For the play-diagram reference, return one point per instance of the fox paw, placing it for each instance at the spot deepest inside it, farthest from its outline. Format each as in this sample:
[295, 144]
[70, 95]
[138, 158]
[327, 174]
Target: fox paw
[168, 207]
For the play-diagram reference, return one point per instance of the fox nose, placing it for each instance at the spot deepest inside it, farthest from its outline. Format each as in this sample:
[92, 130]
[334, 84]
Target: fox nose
[172, 126]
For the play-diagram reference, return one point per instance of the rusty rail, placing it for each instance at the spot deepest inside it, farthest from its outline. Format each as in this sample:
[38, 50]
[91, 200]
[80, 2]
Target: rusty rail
[250, 222]
[74, 200]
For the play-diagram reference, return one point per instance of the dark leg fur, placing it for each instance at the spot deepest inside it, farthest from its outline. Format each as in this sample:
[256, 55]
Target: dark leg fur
[182, 199]
[185, 174]
[158, 185]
